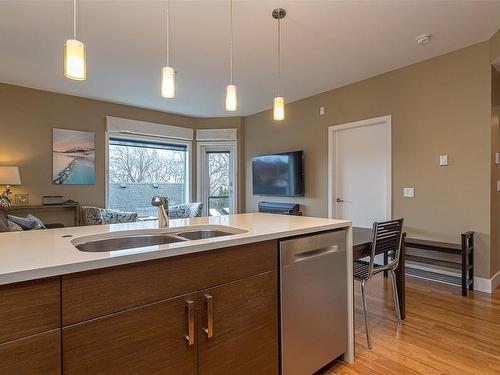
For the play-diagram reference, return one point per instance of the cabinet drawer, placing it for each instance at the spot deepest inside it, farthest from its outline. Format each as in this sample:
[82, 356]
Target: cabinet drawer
[244, 328]
[96, 293]
[145, 340]
[29, 308]
[38, 354]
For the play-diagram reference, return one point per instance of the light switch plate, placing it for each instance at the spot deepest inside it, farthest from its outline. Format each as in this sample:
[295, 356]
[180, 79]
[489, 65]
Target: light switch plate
[443, 160]
[321, 111]
[498, 185]
[497, 158]
[408, 192]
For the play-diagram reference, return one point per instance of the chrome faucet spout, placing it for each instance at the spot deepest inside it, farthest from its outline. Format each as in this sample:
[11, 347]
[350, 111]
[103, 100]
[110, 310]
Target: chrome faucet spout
[161, 203]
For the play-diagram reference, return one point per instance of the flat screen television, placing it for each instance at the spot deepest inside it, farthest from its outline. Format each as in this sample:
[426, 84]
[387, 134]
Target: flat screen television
[279, 174]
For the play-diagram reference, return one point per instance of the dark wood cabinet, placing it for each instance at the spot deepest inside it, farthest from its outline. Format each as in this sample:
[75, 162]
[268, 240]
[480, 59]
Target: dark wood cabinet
[214, 312]
[30, 329]
[245, 327]
[155, 338]
[145, 340]
[37, 354]
[92, 294]
[29, 308]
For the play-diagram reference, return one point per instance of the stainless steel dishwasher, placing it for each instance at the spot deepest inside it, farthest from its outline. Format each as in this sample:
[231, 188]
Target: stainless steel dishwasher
[313, 275]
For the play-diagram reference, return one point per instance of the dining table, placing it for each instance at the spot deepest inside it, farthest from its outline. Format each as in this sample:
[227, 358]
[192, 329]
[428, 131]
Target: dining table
[362, 245]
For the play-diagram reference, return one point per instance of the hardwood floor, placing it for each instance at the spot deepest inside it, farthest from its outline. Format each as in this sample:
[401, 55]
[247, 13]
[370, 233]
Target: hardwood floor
[444, 333]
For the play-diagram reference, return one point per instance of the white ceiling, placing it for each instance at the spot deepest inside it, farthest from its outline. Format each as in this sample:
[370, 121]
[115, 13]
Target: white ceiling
[326, 44]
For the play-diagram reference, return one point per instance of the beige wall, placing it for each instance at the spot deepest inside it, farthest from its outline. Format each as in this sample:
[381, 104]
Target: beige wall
[27, 117]
[494, 43]
[439, 106]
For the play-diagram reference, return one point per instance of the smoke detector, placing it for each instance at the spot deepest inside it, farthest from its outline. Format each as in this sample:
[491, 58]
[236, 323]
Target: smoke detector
[424, 39]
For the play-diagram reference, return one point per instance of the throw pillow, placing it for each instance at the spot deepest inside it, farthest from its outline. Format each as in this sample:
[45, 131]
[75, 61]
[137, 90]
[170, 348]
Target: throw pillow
[39, 223]
[4, 222]
[109, 216]
[23, 222]
[13, 227]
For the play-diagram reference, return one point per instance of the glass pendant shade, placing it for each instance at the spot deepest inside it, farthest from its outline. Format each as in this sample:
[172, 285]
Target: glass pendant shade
[74, 60]
[279, 108]
[168, 82]
[231, 99]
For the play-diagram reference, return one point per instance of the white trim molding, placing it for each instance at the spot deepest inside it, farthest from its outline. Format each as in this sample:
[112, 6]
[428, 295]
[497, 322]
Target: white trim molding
[387, 120]
[204, 135]
[148, 129]
[487, 285]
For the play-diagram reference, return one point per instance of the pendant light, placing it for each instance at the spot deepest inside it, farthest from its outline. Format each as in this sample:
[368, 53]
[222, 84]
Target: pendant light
[231, 97]
[279, 101]
[167, 72]
[74, 55]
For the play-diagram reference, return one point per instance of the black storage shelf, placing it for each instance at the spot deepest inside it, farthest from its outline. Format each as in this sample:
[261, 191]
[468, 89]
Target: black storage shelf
[465, 263]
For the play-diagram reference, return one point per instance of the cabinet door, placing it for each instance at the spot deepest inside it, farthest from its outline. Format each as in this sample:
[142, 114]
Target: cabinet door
[244, 330]
[37, 354]
[29, 308]
[147, 340]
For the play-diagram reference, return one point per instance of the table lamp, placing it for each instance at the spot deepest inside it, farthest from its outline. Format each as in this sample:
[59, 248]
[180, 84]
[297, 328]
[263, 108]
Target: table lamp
[8, 176]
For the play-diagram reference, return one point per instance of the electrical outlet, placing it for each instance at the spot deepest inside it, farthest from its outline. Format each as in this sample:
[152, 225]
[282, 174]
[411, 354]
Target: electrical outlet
[443, 160]
[408, 192]
[321, 111]
[498, 185]
[497, 158]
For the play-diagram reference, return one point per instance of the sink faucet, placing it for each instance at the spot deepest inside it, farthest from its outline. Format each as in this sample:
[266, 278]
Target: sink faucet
[162, 204]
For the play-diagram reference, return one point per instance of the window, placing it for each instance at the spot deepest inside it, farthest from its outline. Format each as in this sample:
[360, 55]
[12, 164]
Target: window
[219, 185]
[217, 177]
[141, 169]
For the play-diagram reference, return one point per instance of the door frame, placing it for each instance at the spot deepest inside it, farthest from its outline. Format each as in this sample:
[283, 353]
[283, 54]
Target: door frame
[332, 167]
[201, 183]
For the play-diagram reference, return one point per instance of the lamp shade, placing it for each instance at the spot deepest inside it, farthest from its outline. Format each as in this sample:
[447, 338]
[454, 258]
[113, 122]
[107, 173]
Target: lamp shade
[231, 99]
[74, 60]
[168, 82]
[9, 176]
[279, 108]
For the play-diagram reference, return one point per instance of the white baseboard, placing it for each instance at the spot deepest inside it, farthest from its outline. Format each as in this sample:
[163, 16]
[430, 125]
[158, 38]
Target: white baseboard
[481, 284]
[495, 281]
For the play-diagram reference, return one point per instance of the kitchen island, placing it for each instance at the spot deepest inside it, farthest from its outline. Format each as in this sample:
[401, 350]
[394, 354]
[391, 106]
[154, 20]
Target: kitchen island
[207, 306]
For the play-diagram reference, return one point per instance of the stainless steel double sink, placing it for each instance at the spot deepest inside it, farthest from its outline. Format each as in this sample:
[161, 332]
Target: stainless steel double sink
[136, 239]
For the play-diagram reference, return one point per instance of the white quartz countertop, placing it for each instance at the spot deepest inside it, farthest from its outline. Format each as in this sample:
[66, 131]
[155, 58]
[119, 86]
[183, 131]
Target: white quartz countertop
[44, 253]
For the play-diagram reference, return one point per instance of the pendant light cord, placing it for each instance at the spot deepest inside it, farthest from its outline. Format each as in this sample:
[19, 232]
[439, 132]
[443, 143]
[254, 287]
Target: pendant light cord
[279, 57]
[74, 19]
[231, 43]
[168, 34]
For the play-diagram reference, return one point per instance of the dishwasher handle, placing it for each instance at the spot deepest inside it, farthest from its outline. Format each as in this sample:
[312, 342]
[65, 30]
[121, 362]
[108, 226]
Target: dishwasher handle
[311, 254]
[311, 247]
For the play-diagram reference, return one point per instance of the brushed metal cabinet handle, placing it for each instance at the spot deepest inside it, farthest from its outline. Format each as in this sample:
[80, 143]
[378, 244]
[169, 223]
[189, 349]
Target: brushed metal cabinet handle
[190, 317]
[209, 331]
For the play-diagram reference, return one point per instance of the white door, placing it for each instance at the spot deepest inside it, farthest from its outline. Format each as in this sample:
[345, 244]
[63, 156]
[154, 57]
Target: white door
[361, 186]
[217, 178]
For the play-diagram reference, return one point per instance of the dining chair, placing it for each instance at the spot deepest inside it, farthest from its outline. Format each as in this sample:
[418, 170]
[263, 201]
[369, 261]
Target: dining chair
[386, 240]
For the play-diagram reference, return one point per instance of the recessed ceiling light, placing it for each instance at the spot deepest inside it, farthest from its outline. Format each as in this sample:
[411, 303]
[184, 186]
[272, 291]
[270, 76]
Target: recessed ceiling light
[424, 38]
